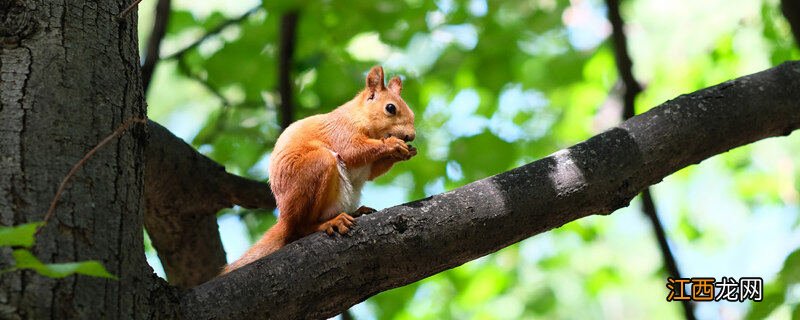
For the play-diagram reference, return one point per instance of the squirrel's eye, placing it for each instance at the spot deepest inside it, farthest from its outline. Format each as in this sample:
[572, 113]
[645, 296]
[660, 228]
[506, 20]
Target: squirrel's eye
[391, 109]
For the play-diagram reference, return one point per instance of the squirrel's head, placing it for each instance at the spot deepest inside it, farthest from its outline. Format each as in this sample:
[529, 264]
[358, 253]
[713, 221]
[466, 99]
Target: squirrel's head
[386, 114]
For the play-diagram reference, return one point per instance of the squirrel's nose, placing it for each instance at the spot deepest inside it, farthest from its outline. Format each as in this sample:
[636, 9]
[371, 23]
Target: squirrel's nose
[409, 138]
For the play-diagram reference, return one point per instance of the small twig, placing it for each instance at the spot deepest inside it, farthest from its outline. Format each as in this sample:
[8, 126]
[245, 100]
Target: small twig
[154, 42]
[212, 32]
[128, 9]
[624, 64]
[117, 132]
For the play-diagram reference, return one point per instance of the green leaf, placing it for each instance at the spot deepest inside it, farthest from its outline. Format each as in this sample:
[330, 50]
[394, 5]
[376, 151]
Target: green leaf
[774, 295]
[602, 278]
[687, 228]
[214, 20]
[534, 71]
[588, 232]
[476, 163]
[791, 268]
[392, 302]
[543, 302]
[775, 292]
[180, 20]
[21, 235]
[484, 285]
[247, 61]
[26, 260]
[554, 262]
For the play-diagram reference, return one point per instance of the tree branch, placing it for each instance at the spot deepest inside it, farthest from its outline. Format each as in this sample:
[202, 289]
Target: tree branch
[128, 9]
[213, 32]
[285, 63]
[154, 42]
[631, 89]
[183, 192]
[184, 189]
[649, 208]
[320, 276]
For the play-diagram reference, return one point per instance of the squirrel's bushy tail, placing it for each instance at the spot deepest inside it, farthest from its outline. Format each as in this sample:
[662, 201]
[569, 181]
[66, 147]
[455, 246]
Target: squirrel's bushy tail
[273, 239]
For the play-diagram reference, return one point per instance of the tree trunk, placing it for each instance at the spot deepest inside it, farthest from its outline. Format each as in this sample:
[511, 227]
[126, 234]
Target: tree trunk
[69, 75]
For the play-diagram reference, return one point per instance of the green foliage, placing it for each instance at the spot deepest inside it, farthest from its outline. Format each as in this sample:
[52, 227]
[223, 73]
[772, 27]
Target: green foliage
[24, 236]
[180, 20]
[257, 222]
[26, 260]
[775, 293]
[21, 235]
[775, 31]
[494, 85]
[475, 162]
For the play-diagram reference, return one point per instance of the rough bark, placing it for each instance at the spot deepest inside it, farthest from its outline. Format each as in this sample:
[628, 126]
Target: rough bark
[184, 190]
[68, 77]
[320, 276]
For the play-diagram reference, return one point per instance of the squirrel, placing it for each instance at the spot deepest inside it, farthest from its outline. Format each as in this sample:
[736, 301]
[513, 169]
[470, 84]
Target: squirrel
[320, 163]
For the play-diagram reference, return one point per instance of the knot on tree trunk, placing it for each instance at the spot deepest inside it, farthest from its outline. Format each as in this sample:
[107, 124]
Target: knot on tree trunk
[17, 22]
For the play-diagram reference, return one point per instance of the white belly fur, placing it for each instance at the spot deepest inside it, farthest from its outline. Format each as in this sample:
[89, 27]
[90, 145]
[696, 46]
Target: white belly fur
[351, 180]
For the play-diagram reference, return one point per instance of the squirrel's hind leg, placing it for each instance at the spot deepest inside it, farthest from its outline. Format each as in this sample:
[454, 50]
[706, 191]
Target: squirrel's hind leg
[322, 182]
[329, 221]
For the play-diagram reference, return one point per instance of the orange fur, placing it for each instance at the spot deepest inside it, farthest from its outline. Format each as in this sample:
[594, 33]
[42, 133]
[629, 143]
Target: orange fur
[319, 163]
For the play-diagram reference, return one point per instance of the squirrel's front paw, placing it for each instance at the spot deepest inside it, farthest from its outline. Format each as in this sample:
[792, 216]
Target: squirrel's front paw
[412, 151]
[341, 224]
[398, 148]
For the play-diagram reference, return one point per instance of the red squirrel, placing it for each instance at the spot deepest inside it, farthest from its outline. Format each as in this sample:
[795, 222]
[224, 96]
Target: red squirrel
[320, 163]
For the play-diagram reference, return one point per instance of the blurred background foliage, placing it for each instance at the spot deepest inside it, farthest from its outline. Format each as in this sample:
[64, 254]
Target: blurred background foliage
[496, 84]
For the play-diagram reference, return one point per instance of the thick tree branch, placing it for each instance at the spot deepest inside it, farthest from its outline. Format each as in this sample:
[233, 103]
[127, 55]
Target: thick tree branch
[183, 192]
[285, 64]
[631, 88]
[791, 10]
[320, 276]
[154, 42]
[184, 189]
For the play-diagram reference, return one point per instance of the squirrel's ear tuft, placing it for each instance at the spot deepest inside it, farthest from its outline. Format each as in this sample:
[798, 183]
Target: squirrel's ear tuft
[375, 78]
[396, 85]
